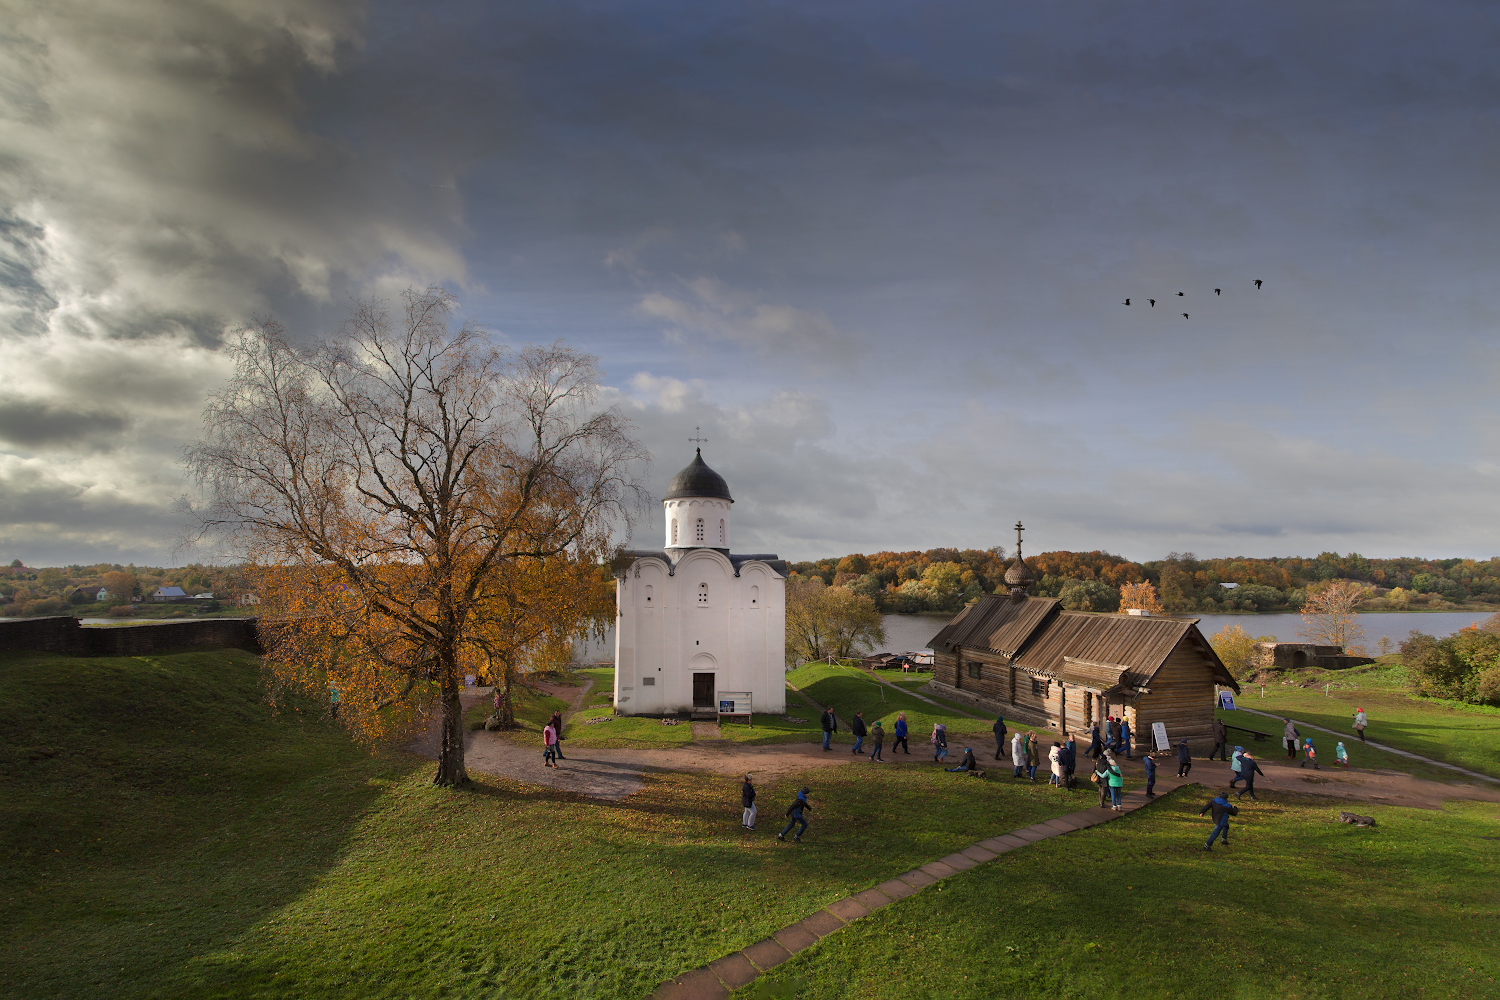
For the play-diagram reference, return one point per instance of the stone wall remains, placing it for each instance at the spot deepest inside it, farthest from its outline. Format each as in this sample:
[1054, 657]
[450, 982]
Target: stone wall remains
[63, 634]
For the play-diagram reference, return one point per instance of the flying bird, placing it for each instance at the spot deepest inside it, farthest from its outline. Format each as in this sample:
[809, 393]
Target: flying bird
[1153, 303]
[1127, 302]
[1184, 315]
[1181, 294]
[1217, 291]
[1257, 282]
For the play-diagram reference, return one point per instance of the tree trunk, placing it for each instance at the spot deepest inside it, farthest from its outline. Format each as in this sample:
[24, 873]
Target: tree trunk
[451, 771]
[507, 702]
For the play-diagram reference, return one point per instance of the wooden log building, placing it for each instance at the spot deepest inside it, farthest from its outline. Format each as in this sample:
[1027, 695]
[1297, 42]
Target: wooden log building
[1028, 659]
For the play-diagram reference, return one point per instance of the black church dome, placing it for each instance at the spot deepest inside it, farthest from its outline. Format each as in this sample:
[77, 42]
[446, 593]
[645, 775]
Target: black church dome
[698, 480]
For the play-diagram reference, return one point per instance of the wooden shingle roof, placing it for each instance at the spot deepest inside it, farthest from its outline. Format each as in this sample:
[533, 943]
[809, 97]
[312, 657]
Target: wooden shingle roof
[996, 623]
[1040, 638]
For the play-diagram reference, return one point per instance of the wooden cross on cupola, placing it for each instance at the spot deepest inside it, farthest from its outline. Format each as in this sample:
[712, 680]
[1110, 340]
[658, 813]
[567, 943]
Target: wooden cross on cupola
[1019, 529]
[697, 437]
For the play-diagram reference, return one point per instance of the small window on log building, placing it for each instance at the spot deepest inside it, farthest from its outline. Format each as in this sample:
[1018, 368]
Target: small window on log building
[974, 669]
[1039, 687]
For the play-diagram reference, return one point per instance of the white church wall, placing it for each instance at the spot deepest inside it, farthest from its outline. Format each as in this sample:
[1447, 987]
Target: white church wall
[682, 518]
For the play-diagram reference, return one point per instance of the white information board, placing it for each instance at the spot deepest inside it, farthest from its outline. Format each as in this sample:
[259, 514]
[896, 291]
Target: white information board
[1159, 736]
[1226, 700]
[735, 703]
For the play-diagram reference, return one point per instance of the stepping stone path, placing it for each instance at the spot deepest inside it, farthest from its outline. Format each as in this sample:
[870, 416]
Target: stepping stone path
[716, 979]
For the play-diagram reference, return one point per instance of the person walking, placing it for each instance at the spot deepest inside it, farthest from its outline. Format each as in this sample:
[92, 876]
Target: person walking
[999, 730]
[557, 727]
[1149, 763]
[1360, 722]
[1289, 736]
[1033, 755]
[1095, 749]
[900, 740]
[1112, 734]
[1310, 755]
[794, 814]
[1222, 810]
[1249, 768]
[1100, 777]
[334, 700]
[747, 802]
[1018, 753]
[1125, 738]
[549, 746]
[939, 741]
[830, 726]
[877, 740]
[1341, 754]
[1234, 765]
[857, 730]
[1184, 759]
[1116, 786]
[1221, 740]
[1070, 760]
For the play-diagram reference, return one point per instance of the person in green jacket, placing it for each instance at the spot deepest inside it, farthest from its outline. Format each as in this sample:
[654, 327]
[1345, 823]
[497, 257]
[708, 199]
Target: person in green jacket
[1116, 783]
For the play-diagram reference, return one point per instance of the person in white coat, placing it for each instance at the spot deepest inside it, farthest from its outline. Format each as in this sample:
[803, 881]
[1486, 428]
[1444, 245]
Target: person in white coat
[1055, 756]
[1360, 722]
[1018, 754]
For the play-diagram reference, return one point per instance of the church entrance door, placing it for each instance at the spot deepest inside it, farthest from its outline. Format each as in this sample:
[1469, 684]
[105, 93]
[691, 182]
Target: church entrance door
[703, 690]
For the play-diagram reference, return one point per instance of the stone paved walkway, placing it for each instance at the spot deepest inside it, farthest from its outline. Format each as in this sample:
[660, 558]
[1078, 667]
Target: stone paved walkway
[716, 979]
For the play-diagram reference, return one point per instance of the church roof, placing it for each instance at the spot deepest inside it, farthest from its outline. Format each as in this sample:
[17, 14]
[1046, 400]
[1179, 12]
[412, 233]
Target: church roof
[698, 480]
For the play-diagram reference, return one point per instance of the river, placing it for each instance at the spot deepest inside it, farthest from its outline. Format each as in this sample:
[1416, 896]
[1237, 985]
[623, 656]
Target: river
[911, 633]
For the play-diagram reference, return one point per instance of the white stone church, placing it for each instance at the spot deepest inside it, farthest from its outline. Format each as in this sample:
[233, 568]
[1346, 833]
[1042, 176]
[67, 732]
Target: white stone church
[694, 620]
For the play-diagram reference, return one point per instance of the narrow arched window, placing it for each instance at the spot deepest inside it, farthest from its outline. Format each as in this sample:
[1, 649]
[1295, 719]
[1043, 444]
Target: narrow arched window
[721, 531]
[755, 597]
[698, 531]
[674, 531]
[703, 594]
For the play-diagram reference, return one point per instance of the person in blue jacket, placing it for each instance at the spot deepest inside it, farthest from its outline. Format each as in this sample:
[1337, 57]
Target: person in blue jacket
[1222, 810]
[794, 814]
[999, 730]
[900, 740]
[1149, 763]
[1125, 738]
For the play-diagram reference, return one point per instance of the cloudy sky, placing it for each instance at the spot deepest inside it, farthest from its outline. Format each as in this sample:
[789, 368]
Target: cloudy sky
[878, 252]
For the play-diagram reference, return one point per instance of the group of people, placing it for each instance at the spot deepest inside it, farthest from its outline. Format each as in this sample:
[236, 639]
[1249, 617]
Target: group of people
[874, 731]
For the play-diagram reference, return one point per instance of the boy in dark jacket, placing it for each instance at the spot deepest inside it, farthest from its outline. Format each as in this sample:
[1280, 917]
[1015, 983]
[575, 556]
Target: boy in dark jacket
[968, 764]
[1248, 770]
[1184, 760]
[1222, 810]
[999, 730]
[794, 815]
[1149, 763]
[747, 802]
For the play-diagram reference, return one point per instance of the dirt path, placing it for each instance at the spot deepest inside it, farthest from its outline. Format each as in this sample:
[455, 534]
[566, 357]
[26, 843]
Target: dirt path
[616, 773]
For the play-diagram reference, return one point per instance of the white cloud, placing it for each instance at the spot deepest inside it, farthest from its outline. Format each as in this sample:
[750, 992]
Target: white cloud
[713, 309]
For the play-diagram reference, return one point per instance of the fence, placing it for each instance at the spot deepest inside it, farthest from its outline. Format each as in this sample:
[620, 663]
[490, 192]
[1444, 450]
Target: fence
[65, 635]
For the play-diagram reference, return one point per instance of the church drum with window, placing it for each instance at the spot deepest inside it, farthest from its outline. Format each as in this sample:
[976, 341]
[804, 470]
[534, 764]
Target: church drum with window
[695, 619]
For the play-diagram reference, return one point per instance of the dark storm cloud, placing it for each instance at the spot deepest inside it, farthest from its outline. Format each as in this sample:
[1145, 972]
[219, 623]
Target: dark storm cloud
[877, 251]
[33, 426]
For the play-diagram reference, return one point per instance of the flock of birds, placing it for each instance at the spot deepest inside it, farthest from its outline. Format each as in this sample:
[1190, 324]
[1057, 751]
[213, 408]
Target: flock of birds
[1180, 295]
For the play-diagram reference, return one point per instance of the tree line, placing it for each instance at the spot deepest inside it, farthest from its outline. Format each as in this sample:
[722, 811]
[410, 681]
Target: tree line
[944, 579]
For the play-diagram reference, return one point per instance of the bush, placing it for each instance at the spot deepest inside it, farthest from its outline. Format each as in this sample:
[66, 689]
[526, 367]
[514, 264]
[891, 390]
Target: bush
[120, 611]
[1089, 595]
[1465, 666]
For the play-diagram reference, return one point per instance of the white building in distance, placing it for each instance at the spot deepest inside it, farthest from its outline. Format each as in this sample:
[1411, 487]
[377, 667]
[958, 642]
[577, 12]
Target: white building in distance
[695, 621]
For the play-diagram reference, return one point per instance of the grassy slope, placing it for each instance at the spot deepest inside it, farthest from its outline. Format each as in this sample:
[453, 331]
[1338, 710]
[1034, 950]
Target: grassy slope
[850, 690]
[1295, 909]
[1466, 735]
[186, 842]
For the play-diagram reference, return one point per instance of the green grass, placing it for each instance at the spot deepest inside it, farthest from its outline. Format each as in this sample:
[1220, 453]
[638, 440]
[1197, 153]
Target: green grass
[1299, 907]
[185, 841]
[1465, 735]
[851, 690]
